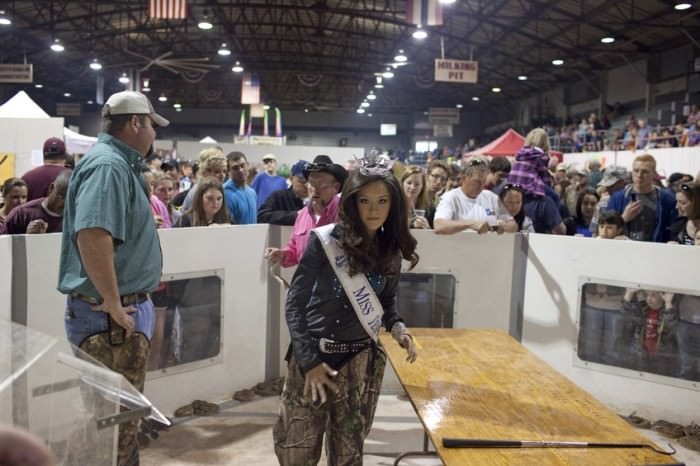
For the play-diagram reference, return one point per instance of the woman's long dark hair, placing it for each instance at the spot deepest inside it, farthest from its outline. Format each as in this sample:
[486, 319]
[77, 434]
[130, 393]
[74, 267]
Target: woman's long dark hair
[393, 239]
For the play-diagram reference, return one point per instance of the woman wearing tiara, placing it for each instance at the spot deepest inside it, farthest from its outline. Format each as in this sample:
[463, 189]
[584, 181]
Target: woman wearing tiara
[334, 312]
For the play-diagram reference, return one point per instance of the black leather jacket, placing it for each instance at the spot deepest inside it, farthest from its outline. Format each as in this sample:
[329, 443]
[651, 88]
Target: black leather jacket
[317, 305]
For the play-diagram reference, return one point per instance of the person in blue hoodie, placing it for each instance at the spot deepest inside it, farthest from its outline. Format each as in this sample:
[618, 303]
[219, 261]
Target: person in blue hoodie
[647, 210]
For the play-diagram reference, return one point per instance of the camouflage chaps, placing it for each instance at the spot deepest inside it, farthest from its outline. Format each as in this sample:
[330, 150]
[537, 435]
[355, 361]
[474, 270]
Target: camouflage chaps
[128, 359]
[345, 418]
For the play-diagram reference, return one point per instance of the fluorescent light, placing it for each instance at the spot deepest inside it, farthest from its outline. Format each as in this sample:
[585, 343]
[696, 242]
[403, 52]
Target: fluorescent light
[56, 46]
[557, 62]
[607, 40]
[4, 19]
[38, 86]
[680, 6]
[223, 51]
[522, 77]
[204, 24]
[420, 34]
[400, 57]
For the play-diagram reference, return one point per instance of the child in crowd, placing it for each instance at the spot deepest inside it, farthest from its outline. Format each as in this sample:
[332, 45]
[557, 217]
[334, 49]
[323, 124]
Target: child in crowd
[654, 344]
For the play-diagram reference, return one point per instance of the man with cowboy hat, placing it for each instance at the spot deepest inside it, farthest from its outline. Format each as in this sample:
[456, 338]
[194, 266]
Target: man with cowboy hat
[325, 180]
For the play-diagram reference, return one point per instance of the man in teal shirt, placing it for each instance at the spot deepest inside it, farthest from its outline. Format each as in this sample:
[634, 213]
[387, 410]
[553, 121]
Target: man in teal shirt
[110, 251]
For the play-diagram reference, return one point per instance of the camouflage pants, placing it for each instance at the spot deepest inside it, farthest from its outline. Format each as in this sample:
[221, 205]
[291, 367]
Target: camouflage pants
[128, 359]
[345, 418]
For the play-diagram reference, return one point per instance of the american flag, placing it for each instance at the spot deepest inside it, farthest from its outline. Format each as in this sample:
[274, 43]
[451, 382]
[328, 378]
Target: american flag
[250, 89]
[167, 9]
[424, 12]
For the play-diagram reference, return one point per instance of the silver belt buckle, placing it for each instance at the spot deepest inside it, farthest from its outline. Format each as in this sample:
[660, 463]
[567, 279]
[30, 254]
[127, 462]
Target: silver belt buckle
[322, 344]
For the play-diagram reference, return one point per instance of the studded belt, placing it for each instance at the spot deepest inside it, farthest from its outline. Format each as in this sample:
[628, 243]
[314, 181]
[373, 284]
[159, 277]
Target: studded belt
[336, 347]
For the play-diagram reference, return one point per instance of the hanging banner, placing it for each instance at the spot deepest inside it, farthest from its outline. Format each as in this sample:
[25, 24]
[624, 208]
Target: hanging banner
[456, 71]
[16, 73]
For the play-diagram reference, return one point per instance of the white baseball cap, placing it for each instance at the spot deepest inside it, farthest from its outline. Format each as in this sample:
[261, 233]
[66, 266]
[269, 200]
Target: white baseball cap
[132, 103]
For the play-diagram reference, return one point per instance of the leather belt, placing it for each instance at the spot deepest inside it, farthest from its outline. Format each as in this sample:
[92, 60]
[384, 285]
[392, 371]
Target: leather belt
[336, 347]
[127, 299]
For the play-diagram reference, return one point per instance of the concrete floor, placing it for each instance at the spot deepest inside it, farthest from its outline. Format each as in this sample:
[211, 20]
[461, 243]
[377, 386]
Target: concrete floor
[241, 434]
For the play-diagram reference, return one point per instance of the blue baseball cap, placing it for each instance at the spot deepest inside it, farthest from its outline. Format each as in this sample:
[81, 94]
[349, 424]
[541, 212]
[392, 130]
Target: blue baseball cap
[298, 169]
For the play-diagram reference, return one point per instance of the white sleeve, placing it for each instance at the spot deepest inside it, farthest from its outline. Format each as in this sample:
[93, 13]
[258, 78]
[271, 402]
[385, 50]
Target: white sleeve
[445, 209]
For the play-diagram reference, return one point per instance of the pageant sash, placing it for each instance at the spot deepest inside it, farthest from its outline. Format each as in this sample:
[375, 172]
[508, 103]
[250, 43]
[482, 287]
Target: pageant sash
[364, 301]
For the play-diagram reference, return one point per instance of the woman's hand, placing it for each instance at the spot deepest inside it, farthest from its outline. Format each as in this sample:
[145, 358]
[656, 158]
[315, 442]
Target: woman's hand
[316, 380]
[406, 341]
[421, 222]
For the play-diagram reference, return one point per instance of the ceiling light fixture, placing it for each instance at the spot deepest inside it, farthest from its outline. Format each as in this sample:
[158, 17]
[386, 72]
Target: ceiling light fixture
[360, 110]
[420, 33]
[95, 65]
[475, 99]
[162, 98]
[459, 105]
[496, 89]
[223, 51]
[400, 57]
[237, 68]
[90, 102]
[38, 86]
[607, 40]
[179, 109]
[266, 107]
[522, 77]
[124, 79]
[364, 104]
[177, 105]
[557, 62]
[204, 23]
[56, 46]
[371, 95]
[4, 19]
[388, 74]
[680, 6]
[66, 94]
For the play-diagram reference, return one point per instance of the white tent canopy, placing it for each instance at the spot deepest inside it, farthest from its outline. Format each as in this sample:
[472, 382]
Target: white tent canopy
[77, 143]
[22, 106]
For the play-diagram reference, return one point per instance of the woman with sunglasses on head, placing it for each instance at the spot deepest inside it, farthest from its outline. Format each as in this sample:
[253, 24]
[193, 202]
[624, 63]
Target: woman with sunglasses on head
[334, 312]
[684, 229]
[511, 197]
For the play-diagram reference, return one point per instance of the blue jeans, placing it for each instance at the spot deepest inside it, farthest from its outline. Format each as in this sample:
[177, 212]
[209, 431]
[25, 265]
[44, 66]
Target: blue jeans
[688, 337]
[604, 336]
[81, 321]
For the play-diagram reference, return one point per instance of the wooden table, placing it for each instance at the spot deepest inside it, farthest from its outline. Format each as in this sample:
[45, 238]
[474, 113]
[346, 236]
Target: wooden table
[473, 383]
